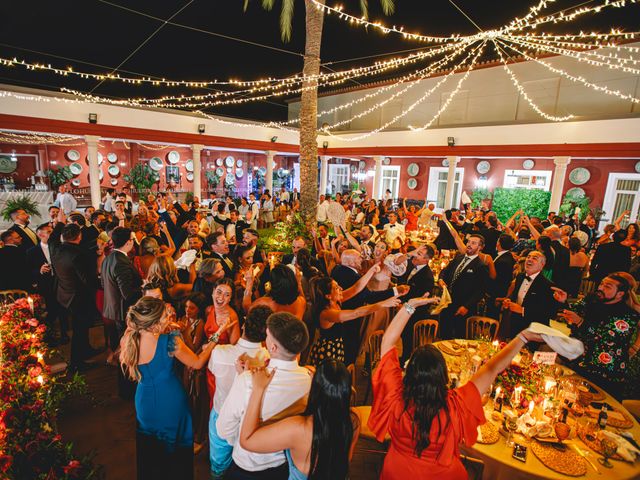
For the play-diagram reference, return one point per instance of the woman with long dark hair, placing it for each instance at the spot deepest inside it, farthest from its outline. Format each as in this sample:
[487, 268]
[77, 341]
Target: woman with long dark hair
[286, 292]
[425, 419]
[318, 443]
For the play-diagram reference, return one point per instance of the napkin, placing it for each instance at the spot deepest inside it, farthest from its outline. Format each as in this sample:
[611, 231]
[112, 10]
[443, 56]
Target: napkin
[445, 301]
[561, 343]
[625, 449]
[186, 259]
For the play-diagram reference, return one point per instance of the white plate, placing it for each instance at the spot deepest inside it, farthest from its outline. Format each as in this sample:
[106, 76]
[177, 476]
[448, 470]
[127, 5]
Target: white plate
[230, 179]
[156, 164]
[114, 181]
[363, 164]
[528, 164]
[483, 167]
[638, 167]
[190, 176]
[76, 169]
[229, 170]
[386, 160]
[413, 169]
[189, 166]
[412, 183]
[263, 171]
[73, 155]
[113, 170]
[219, 171]
[239, 172]
[101, 176]
[75, 182]
[579, 176]
[219, 162]
[112, 157]
[576, 192]
[229, 161]
[173, 157]
[445, 163]
[238, 163]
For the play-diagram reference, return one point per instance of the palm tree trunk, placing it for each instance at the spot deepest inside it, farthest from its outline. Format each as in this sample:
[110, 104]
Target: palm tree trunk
[308, 112]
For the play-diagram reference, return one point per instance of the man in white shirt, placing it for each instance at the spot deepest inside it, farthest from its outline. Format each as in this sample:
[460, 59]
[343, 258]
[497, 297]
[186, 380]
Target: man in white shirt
[224, 363]
[323, 205]
[285, 396]
[65, 200]
[394, 233]
[284, 195]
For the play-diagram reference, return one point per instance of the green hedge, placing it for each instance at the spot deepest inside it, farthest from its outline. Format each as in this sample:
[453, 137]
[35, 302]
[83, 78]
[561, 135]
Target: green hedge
[507, 201]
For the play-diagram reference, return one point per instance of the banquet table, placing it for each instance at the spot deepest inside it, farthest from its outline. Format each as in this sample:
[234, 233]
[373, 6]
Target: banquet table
[499, 463]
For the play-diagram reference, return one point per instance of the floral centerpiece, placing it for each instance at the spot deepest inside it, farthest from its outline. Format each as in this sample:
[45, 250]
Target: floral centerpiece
[30, 445]
[528, 377]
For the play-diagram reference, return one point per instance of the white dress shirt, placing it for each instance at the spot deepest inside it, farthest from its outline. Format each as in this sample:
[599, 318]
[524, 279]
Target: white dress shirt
[285, 396]
[45, 250]
[524, 288]
[222, 364]
[393, 232]
[321, 214]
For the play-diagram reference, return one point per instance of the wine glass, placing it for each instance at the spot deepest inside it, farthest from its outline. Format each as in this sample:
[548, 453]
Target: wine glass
[562, 432]
[609, 449]
[511, 426]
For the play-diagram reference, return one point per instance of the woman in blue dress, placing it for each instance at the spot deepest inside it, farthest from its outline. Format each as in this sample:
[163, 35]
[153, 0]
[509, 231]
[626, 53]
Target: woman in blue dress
[164, 428]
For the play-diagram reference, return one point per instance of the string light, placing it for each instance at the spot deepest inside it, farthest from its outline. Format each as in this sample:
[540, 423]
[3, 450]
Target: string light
[522, 91]
[573, 78]
[38, 138]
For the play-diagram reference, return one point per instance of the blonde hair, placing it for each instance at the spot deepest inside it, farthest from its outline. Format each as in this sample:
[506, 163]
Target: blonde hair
[147, 313]
[164, 271]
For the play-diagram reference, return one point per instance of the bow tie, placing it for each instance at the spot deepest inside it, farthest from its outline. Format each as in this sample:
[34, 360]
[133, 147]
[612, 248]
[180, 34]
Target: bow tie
[391, 226]
[528, 278]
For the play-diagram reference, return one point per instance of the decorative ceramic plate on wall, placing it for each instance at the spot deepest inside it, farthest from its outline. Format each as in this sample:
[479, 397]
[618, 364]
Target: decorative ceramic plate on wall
[230, 179]
[219, 171]
[445, 163]
[239, 172]
[190, 176]
[76, 169]
[576, 192]
[156, 164]
[75, 182]
[229, 161]
[219, 162]
[262, 170]
[483, 167]
[112, 157]
[412, 183]
[113, 170]
[100, 158]
[229, 170]
[73, 155]
[363, 164]
[638, 167]
[189, 166]
[579, 176]
[238, 163]
[114, 181]
[413, 169]
[173, 157]
[7, 165]
[386, 160]
[528, 164]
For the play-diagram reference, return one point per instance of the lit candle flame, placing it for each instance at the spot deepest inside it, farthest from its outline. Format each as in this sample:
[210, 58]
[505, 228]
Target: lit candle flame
[532, 405]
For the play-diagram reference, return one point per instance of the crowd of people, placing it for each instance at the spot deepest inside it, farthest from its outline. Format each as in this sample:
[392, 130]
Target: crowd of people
[218, 344]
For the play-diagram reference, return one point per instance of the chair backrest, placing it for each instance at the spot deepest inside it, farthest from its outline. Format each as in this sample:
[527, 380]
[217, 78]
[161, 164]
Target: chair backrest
[482, 328]
[473, 466]
[587, 286]
[351, 368]
[424, 332]
[10, 296]
[375, 344]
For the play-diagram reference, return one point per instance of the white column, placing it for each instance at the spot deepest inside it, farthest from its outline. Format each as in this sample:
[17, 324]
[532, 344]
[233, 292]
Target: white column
[94, 169]
[324, 173]
[377, 178]
[559, 175]
[197, 171]
[269, 179]
[451, 178]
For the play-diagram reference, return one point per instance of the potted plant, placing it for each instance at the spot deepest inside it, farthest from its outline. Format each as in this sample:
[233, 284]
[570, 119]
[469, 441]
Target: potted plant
[571, 201]
[142, 177]
[20, 203]
[212, 179]
[59, 176]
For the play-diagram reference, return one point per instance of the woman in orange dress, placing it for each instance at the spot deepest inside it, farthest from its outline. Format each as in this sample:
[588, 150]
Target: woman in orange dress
[426, 421]
[219, 315]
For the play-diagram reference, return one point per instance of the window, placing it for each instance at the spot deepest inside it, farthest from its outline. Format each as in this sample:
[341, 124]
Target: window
[623, 193]
[338, 181]
[529, 179]
[438, 186]
[390, 180]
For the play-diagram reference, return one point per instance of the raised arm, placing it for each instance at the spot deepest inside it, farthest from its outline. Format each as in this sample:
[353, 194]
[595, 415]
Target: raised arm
[534, 233]
[620, 218]
[456, 237]
[340, 316]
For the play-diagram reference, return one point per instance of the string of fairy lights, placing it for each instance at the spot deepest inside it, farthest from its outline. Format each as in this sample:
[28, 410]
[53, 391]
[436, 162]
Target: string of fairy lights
[519, 38]
[39, 139]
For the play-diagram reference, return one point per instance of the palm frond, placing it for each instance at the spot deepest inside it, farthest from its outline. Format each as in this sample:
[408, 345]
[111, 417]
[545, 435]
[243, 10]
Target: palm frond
[286, 19]
[364, 9]
[268, 4]
[388, 6]
[245, 6]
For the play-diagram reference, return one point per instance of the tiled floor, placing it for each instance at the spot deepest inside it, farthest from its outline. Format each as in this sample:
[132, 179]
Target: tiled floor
[104, 424]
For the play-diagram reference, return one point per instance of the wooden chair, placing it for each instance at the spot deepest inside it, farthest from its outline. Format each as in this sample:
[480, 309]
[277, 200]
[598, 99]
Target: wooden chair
[473, 466]
[424, 332]
[354, 394]
[633, 406]
[484, 328]
[10, 296]
[587, 286]
[375, 344]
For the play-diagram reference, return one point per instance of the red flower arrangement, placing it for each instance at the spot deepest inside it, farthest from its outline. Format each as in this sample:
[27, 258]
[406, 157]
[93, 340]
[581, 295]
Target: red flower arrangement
[30, 446]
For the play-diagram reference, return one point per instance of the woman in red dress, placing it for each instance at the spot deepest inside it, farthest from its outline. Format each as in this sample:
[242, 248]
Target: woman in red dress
[426, 421]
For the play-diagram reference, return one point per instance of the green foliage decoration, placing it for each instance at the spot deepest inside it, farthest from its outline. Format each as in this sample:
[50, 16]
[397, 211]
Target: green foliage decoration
[571, 201]
[213, 180]
[23, 202]
[507, 201]
[59, 176]
[279, 238]
[142, 177]
[478, 195]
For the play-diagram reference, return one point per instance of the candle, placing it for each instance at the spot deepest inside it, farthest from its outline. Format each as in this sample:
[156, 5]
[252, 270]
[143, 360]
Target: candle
[40, 379]
[495, 344]
[518, 392]
[30, 302]
[549, 385]
[498, 390]
[532, 405]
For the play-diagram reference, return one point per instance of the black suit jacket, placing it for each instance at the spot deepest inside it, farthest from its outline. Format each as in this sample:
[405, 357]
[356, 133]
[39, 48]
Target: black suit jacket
[504, 275]
[593, 236]
[560, 264]
[27, 243]
[228, 268]
[539, 304]
[346, 278]
[76, 276]
[471, 284]
[444, 240]
[419, 285]
[490, 240]
[121, 282]
[609, 258]
[13, 271]
[43, 283]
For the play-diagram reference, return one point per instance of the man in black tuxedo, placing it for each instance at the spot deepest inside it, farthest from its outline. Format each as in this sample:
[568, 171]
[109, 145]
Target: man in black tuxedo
[467, 279]
[491, 235]
[76, 292]
[21, 227]
[419, 278]
[13, 274]
[504, 263]
[298, 244]
[611, 257]
[346, 275]
[217, 242]
[445, 240]
[591, 229]
[43, 280]
[531, 298]
[562, 257]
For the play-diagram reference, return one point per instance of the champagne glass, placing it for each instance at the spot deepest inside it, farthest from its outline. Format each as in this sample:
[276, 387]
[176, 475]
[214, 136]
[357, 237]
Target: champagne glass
[511, 426]
[609, 449]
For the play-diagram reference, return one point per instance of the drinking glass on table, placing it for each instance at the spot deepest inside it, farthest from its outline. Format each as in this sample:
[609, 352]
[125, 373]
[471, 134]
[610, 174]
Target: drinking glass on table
[511, 426]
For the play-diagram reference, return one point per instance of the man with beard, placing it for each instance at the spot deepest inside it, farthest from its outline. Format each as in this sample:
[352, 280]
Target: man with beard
[21, 227]
[606, 324]
[219, 246]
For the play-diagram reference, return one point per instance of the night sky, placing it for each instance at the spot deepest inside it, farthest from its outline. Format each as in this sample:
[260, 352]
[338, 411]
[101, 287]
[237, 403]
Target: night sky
[96, 36]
